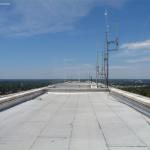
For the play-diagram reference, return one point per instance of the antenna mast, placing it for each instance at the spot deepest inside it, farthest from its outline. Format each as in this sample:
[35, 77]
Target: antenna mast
[108, 43]
[97, 69]
[102, 68]
[106, 65]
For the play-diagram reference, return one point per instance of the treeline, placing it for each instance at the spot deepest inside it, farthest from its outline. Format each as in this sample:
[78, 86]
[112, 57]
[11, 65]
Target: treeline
[145, 91]
[13, 86]
[129, 82]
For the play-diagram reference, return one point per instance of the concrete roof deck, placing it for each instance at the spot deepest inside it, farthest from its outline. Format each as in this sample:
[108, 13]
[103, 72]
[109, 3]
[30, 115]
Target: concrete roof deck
[74, 121]
[75, 86]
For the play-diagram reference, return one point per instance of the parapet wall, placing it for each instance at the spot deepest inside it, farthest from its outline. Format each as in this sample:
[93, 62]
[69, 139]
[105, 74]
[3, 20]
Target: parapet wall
[17, 98]
[138, 102]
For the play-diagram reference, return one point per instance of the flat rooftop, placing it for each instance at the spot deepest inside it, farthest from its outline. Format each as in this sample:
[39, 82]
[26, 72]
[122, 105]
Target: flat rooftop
[74, 121]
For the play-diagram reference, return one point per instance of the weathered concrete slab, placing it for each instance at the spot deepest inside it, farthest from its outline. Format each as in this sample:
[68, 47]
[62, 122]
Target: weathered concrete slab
[73, 87]
[74, 121]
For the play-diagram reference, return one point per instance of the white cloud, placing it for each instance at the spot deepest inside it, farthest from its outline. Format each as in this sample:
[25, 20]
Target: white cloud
[30, 17]
[137, 45]
[119, 67]
[4, 4]
[131, 73]
[70, 60]
[139, 60]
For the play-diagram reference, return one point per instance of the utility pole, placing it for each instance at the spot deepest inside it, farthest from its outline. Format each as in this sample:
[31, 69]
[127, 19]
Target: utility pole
[108, 47]
[79, 77]
[97, 69]
[89, 78]
[102, 68]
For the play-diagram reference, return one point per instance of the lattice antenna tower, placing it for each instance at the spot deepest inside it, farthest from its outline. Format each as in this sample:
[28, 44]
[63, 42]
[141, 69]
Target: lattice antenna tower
[97, 69]
[110, 45]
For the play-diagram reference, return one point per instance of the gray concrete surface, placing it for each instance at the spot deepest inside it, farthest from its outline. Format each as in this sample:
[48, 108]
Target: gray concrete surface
[76, 86]
[74, 121]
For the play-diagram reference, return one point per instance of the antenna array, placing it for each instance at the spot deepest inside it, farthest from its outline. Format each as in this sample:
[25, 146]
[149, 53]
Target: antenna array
[110, 45]
[97, 69]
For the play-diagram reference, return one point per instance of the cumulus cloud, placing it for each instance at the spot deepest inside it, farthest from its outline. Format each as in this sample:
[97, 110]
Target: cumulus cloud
[119, 67]
[30, 17]
[137, 45]
[139, 60]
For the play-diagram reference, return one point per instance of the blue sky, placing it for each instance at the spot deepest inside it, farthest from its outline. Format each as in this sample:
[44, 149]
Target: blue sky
[59, 38]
